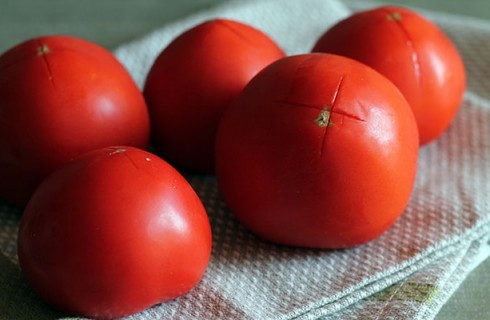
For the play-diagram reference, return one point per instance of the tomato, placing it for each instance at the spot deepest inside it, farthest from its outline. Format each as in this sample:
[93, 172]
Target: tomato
[112, 233]
[318, 151]
[410, 51]
[192, 82]
[60, 97]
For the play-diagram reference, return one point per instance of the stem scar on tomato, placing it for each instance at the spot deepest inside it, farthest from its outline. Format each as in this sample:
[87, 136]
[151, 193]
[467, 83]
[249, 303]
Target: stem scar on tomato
[117, 150]
[42, 51]
[395, 16]
[323, 119]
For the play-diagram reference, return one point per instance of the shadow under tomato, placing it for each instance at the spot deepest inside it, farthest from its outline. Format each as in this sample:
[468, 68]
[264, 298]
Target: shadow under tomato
[17, 300]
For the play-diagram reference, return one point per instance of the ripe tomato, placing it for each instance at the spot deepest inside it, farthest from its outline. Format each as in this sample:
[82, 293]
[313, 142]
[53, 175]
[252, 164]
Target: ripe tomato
[318, 151]
[410, 51]
[60, 97]
[194, 79]
[112, 233]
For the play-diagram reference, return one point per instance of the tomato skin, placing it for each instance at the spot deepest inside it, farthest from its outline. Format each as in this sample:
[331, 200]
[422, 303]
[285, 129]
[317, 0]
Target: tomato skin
[410, 51]
[112, 233]
[60, 97]
[192, 82]
[295, 177]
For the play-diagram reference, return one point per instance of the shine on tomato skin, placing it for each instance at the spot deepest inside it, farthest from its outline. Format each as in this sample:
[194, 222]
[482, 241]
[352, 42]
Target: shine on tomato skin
[193, 81]
[112, 233]
[413, 53]
[62, 96]
[318, 151]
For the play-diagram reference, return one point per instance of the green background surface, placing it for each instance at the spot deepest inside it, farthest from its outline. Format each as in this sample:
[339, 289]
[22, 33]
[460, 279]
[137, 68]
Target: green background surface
[113, 22]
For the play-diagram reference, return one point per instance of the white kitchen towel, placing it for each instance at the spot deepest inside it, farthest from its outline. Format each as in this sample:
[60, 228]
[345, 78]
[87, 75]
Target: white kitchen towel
[408, 272]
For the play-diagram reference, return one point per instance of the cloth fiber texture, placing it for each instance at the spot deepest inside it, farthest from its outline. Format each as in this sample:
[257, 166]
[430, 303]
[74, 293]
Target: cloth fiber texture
[407, 273]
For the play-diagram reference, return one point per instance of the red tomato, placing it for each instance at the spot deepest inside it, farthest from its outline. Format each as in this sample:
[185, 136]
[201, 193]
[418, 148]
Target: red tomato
[410, 51]
[318, 151]
[60, 97]
[112, 233]
[194, 79]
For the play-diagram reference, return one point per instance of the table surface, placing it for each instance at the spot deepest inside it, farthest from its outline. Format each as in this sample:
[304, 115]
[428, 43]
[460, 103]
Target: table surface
[113, 22]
